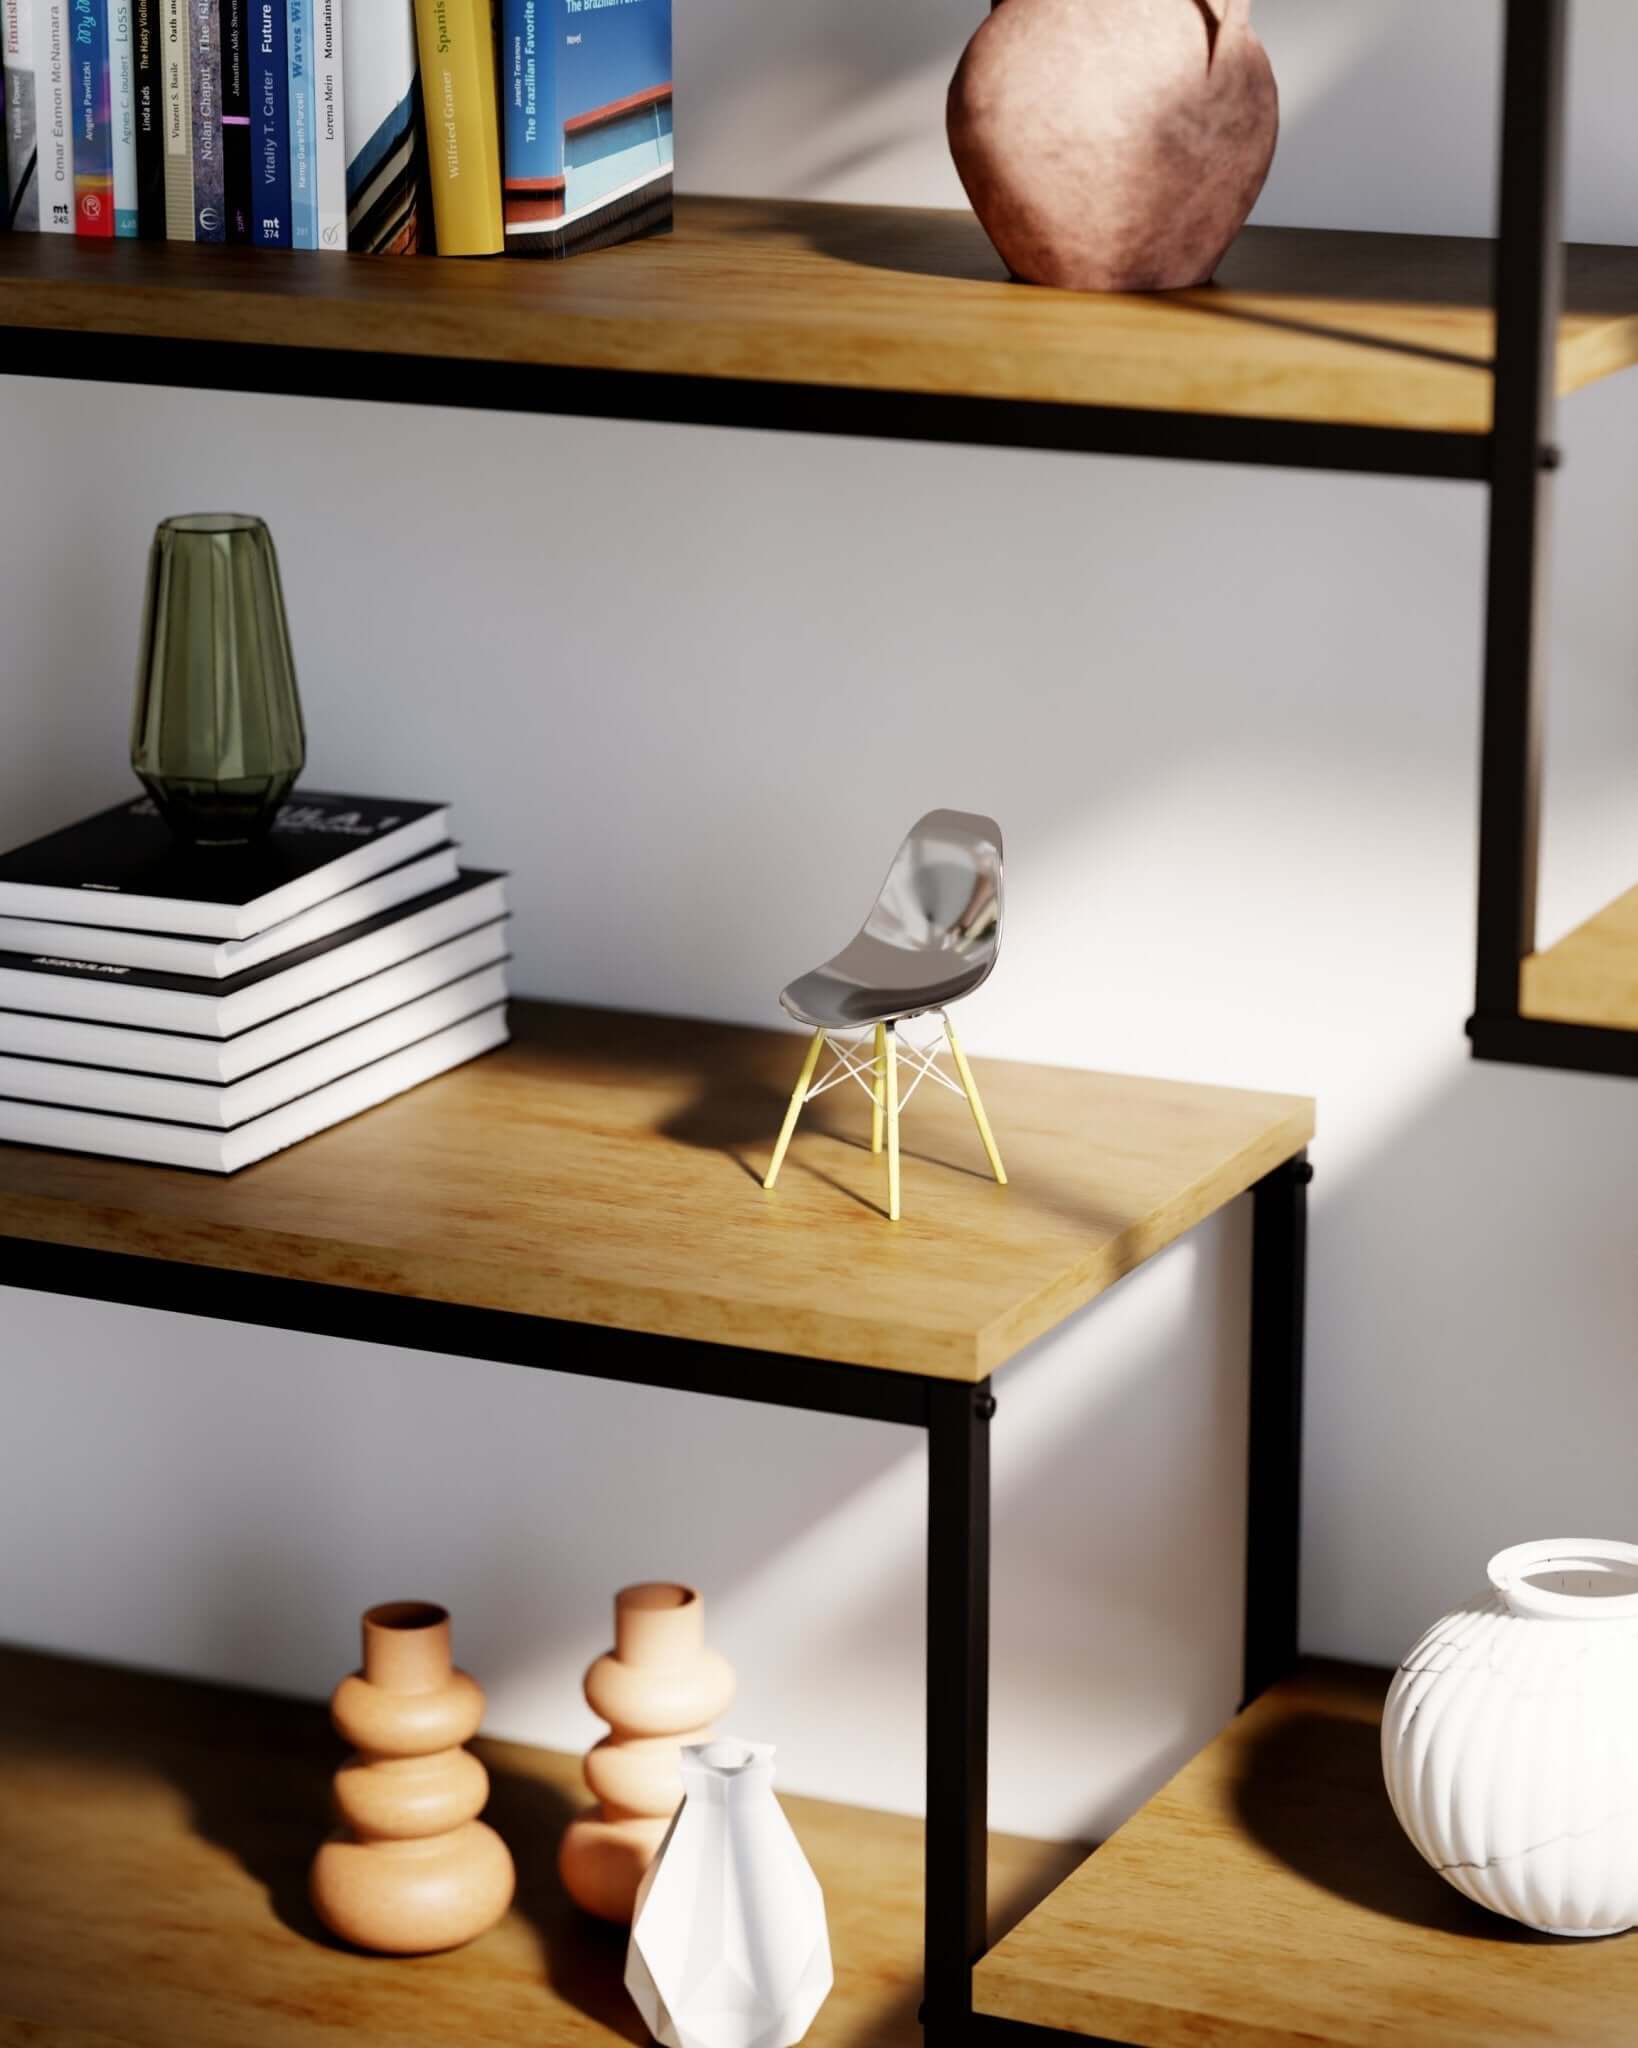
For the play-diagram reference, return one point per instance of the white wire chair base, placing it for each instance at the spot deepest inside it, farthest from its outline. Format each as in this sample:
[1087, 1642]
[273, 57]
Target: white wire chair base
[878, 1075]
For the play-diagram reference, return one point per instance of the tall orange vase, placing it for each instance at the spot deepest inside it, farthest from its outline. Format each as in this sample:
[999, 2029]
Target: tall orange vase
[411, 1867]
[660, 1686]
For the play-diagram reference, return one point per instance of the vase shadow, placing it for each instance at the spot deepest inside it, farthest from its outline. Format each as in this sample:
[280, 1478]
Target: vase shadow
[1312, 1760]
[584, 1958]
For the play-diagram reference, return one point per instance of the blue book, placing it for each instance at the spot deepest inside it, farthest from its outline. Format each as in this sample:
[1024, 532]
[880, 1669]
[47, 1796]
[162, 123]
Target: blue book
[93, 129]
[269, 127]
[300, 24]
[586, 95]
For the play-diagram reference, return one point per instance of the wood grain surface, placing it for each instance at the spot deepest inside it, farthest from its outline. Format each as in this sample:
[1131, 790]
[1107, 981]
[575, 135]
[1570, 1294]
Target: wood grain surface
[1301, 324]
[156, 1836]
[605, 1168]
[1591, 975]
[1267, 1899]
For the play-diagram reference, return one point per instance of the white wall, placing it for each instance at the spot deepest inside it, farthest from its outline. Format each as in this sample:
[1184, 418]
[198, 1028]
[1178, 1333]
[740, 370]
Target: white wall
[1228, 720]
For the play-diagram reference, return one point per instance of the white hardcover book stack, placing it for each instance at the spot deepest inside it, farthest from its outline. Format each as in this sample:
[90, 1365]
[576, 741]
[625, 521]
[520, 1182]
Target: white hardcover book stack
[205, 1007]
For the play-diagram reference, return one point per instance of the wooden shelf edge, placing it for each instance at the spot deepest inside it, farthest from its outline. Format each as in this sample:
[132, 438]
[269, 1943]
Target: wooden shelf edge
[1590, 977]
[1313, 347]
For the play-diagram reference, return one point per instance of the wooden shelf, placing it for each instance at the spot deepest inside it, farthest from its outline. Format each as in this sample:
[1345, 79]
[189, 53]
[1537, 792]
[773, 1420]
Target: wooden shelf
[605, 1169]
[1267, 1899]
[755, 310]
[153, 1889]
[1590, 976]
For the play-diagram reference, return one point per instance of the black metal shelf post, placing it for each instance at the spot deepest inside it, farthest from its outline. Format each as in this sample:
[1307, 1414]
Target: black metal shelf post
[1524, 458]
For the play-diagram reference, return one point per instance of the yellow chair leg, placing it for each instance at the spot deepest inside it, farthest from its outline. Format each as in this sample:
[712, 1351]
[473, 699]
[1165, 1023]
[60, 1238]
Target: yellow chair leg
[798, 1097]
[975, 1103]
[879, 1070]
[890, 1062]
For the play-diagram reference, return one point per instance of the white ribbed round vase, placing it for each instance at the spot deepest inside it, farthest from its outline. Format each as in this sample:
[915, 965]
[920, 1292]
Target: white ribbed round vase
[1510, 1739]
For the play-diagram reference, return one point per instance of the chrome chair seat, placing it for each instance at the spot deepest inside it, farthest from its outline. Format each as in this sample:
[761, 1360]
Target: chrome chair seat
[932, 936]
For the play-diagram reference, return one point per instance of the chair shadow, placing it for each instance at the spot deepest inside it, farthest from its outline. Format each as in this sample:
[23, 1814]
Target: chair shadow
[1308, 1773]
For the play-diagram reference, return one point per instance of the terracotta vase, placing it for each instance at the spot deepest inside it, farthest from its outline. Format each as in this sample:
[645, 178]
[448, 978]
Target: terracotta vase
[411, 1868]
[1114, 145]
[658, 1688]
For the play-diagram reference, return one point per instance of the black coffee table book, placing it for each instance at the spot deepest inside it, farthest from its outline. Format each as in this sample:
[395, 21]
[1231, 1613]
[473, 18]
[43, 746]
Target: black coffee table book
[205, 1007]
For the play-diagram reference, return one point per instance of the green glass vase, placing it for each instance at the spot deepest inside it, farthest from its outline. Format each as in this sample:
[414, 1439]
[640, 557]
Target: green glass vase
[217, 736]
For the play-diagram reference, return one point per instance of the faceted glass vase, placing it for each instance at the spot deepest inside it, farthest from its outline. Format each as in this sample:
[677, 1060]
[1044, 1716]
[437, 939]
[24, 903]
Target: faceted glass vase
[217, 736]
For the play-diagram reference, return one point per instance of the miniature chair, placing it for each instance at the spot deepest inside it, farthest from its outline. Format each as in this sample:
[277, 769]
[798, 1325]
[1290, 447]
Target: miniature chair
[932, 937]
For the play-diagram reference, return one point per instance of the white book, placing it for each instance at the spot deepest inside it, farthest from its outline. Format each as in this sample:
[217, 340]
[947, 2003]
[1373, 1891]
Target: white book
[54, 114]
[208, 1151]
[217, 959]
[122, 115]
[62, 986]
[225, 1107]
[226, 1060]
[330, 110]
[20, 194]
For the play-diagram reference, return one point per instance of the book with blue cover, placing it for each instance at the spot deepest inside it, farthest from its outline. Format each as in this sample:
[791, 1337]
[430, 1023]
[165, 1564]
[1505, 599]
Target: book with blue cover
[269, 127]
[93, 134]
[300, 23]
[586, 101]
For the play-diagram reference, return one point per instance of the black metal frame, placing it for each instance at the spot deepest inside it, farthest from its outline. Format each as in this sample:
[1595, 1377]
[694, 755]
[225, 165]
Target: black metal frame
[563, 391]
[1524, 459]
[956, 1416]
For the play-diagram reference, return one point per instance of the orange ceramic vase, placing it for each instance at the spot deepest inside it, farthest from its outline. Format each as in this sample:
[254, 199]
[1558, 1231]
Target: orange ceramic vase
[658, 1688]
[411, 1868]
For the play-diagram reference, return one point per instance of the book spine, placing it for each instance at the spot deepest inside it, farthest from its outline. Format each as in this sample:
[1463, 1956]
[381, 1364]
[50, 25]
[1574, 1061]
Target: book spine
[270, 128]
[54, 115]
[20, 195]
[93, 136]
[234, 42]
[387, 202]
[533, 189]
[122, 115]
[299, 15]
[17, 58]
[463, 130]
[149, 91]
[329, 118]
[178, 111]
[205, 121]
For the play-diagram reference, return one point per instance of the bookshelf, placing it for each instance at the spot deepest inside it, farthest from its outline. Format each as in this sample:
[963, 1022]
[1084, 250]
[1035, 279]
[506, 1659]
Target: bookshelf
[586, 1201]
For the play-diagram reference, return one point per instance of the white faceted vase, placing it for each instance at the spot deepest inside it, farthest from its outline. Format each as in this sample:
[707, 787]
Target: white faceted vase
[729, 1947]
[1510, 1739]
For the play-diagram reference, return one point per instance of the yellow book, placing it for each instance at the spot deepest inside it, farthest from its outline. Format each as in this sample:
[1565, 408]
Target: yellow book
[458, 91]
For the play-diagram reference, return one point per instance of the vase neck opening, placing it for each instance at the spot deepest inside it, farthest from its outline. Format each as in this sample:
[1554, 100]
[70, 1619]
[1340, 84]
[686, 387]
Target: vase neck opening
[406, 1646]
[658, 1623]
[1569, 1579]
[720, 1769]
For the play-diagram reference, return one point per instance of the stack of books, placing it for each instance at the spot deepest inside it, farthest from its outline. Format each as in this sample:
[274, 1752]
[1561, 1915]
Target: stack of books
[204, 1007]
[540, 127]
